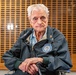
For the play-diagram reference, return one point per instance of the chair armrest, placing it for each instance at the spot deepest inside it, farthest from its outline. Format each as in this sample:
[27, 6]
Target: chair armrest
[63, 72]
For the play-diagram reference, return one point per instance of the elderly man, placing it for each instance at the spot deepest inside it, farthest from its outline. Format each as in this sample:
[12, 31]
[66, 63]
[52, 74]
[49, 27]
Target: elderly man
[40, 48]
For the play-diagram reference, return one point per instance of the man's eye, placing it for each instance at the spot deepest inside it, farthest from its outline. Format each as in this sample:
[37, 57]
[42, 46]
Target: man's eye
[42, 18]
[35, 18]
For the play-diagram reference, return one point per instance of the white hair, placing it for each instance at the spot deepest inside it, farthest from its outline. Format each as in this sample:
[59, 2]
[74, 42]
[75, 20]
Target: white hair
[37, 7]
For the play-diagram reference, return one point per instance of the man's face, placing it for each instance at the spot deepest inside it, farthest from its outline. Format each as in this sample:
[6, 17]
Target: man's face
[39, 20]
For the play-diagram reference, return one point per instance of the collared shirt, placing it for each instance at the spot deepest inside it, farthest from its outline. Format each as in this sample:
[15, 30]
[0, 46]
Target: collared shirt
[33, 39]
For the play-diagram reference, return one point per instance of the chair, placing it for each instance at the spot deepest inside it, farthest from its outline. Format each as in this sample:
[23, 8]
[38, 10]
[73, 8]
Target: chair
[63, 72]
[59, 72]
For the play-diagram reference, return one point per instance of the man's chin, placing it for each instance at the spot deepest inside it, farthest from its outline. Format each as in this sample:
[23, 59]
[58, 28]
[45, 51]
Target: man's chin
[39, 30]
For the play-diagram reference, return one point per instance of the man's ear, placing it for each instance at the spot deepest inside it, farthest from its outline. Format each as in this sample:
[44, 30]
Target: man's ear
[48, 16]
[29, 18]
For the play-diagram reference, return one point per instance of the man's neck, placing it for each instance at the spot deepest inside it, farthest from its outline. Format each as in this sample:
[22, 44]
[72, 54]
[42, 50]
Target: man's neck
[39, 35]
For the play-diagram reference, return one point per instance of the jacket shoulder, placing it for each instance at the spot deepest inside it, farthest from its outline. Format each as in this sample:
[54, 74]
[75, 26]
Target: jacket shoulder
[24, 31]
[55, 32]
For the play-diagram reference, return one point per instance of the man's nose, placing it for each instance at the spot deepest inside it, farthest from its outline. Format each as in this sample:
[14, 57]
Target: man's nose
[39, 21]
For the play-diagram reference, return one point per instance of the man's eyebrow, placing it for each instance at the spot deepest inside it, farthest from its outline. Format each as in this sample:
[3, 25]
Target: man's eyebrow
[35, 18]
[42, 16]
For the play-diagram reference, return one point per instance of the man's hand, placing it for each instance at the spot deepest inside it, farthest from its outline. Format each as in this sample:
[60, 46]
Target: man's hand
[22, 66]
[33, 69]
[29, 65]
[30, 61]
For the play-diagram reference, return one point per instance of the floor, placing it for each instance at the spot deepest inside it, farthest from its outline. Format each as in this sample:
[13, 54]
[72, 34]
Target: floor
[3, 72]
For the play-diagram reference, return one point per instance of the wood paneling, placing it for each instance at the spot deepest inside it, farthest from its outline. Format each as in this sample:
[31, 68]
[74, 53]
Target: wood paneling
[13, 19]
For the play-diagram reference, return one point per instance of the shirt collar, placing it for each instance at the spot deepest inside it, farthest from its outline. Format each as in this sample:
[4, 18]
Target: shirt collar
[44, 36]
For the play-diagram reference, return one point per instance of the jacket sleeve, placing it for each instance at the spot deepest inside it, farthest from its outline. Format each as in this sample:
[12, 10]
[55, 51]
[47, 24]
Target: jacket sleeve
[12, 57]
[60, 60]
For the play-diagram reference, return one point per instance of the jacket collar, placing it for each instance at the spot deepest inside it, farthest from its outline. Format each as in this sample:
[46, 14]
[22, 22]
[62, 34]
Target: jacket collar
[49, 34]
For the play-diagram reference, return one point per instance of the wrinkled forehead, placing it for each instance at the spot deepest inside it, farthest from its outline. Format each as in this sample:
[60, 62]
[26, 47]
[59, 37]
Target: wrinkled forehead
[37, 9]
[38, 12]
